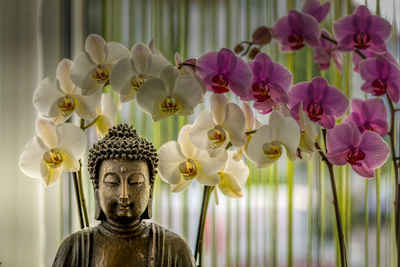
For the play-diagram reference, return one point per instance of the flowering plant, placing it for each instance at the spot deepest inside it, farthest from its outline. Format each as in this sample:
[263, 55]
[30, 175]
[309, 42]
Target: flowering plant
[303, 118]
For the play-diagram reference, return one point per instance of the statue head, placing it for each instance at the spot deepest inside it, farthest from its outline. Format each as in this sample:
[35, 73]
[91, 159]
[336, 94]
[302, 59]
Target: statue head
[122, 168]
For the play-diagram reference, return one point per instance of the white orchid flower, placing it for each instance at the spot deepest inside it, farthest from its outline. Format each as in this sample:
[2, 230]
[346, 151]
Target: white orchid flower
[190, 70]
[180, 162]
[170, 94]
[130, 72]
[266, 145]
[106, 115]
[55, 149]
[57, 98]
[233, 177]
[251, 124]
[309, 132]
[212, 130]
[92, 69]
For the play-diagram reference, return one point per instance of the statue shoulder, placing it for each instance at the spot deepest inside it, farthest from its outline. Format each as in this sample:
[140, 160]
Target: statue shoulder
[174, 247]
[74, 249]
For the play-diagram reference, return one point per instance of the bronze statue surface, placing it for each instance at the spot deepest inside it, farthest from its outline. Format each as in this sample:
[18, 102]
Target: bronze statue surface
[122, 167]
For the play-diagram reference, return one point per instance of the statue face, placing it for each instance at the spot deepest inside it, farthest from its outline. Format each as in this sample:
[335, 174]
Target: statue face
[124, 189]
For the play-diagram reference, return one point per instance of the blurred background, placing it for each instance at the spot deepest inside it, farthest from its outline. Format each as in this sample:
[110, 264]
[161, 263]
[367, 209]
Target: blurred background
[285, 217]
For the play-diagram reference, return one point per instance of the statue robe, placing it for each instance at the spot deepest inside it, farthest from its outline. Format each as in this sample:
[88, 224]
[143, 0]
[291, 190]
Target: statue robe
[166, 249]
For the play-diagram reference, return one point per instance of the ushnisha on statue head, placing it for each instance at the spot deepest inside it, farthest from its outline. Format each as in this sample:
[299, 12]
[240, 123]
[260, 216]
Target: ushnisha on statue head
[122, 168]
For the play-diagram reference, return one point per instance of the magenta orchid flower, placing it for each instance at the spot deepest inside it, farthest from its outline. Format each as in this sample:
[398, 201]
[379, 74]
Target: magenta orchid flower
[361, 30]
[296, 29]
[369, 115]
[356, 58]
[322, 102]
[271, 82]
[363, 151]
[223, 71]
[380, 77]
[327, 51]
[316, 9]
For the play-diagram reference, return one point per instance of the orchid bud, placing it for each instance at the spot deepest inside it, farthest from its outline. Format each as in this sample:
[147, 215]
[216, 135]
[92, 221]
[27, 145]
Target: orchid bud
[254, 52]
[238, 48]
[262, 36]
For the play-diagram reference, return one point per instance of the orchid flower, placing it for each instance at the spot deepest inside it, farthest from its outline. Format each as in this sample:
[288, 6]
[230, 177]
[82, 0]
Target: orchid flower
[271, 82]
[251, 124]
[295, 30]
[327, 51]
[55, 149]
[212, 130]
[91, 69]
[233, 177]
[363, 151]
[130, 72]
[170, 94]
[316, 9]
[356, 58]
[180, 162]
[106, 115]
[266, 145]
[57, 98]
[369, 115]
[381, 76]
[223, 71]
[190, 70]
[361, 30]
[322, 102]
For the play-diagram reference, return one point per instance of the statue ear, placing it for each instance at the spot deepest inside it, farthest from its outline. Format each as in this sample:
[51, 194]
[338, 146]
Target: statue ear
[98, 212]
[148, 212]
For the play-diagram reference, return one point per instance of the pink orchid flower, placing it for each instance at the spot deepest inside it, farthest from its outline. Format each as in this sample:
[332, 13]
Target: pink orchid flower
[223, 71]
[380, 77]
[271, 82]
[322, 102]
[327, 51]
[316, 9]
[369, 115]
[356, 58]
[361, 30]
[363, 151]
[296, 29]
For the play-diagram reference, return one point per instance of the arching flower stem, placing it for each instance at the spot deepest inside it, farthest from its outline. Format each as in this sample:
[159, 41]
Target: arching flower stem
[78, 198]
[200, 232]
[90, 124]
[396, 172]
[335, 203]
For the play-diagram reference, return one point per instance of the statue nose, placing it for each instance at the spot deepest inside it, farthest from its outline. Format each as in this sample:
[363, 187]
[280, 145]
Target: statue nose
[124, 194]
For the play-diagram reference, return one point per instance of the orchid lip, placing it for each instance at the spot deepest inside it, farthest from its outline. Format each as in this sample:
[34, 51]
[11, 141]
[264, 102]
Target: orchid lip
[261, 91]
[314, 111]
[355, 156]
[296, 41]
[100, 74]
[220, 84]
[361, 40]
[380, 86]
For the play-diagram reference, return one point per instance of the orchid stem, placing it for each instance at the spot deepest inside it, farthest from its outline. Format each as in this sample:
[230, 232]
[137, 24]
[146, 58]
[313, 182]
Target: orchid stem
[82, 196]
[335, 203]
[78, 198]
[200, 232]
[396, 177]
[90, 124]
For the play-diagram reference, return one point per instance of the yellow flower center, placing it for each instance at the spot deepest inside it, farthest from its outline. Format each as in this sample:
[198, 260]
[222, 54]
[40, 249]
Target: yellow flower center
[53, 158]
[66, 105]
[273, 150]
[217, 136]
[169, 105]
[136, 83]
[188, 169]
[100, 74]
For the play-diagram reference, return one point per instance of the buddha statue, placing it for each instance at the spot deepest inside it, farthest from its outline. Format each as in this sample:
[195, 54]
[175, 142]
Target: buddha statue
[123, 168]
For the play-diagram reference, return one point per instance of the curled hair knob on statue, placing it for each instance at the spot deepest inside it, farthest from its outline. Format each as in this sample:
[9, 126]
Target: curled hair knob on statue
[123, 168]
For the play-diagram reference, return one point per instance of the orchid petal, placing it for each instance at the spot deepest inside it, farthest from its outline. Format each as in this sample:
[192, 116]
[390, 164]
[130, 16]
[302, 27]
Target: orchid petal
[150, 95]
[188, 93]
[181, 185]
[375, 148]
[47, 132]
[198, 132]
[46, 95]
[72, 138]
[187, 148]
[235, 122]
[49, 174]
[218, 105]
[170, 156]
[121, 77]
[95, 47]
[31, 157]
[63, 75]
[116, 52]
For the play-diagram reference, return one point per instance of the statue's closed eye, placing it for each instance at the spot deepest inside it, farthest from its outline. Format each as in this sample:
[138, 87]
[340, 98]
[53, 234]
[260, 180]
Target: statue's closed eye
[136, 179]
[111, 178]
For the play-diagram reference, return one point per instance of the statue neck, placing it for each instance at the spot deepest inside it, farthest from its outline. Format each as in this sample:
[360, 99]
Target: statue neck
[131, 230]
